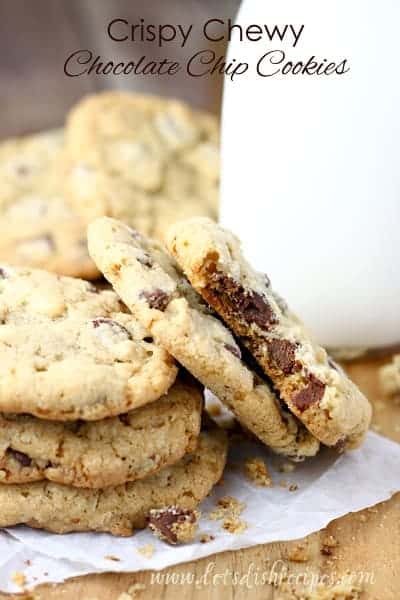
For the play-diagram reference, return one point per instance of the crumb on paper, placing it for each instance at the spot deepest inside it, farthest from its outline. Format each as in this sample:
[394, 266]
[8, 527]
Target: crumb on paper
[18, 578]
[173, 524]
[257, 471]
[205, 538]
[234, 525]
[283, 483]
[227, 506]
[147, 551]
[287, 467]
[293, 487]
[297, 553]
[112, 557]
[228, 511]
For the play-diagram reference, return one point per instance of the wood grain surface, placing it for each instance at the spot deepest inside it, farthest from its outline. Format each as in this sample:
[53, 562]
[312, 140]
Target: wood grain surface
[367, 546]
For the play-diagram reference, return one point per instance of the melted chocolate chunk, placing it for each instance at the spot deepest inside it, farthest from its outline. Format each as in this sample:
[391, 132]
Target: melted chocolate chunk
[161, 521]
[124, 419]
[156, 299]
[311, 394]
[251, 306]
[282, 354]
[112, 324]
[22, 458]
[235, 350]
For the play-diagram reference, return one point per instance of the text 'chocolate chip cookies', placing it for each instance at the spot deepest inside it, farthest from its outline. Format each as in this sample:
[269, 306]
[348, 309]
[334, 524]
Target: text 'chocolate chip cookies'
[70, 352]
[315, 389]
[152, 286]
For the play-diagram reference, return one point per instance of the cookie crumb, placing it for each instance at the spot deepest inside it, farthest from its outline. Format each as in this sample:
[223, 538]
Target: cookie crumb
[173, 524]
[227, 506]
[257, 471]
[147, 551]
[328, 545]
[205, 538]
[112, 557]
[124, 596]
[135, 589]
[228, 511]
[287, 467]
[298, 553]
[18, 578]
[293, 487]
[283, 483]
[234, 525]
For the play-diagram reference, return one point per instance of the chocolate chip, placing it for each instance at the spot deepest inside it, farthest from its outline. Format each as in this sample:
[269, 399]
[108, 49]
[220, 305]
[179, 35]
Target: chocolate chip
[311, 394]
[256, 309]
[112, 324]
[124, 419]
[156, 299]
[282, 354]
[22, 458]
[162, 520]
[340, 445]
[145, 260]
[3, 274]
[250, 305]
[235, 350]
[148, 339]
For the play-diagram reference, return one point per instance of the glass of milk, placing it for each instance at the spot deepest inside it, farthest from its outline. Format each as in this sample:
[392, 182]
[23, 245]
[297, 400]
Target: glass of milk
[311, 162]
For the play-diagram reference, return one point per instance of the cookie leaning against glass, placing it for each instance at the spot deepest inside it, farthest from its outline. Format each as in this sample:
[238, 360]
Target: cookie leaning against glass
[314, 388]
[69, 351]
[151, 284]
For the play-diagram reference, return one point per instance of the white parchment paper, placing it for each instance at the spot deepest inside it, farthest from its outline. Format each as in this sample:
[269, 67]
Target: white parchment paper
[328, 487]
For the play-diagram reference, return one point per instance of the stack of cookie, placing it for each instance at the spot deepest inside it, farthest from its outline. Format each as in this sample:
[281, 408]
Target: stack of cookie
[97, 427]
[143, 159]
[101, 391]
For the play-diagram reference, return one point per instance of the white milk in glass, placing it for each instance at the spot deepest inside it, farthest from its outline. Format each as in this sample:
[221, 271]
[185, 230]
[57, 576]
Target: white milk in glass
[311, 163]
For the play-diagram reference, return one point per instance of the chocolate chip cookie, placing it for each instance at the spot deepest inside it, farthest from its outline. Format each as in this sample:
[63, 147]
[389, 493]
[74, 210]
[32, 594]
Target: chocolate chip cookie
[102, 453]
[69, 351]
[117, 510]
[151, 284]
[144, 159]
[314, 388]
[38, 226]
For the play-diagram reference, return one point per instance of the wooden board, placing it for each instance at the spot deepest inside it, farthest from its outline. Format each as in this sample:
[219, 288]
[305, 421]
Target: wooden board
[368, 545]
